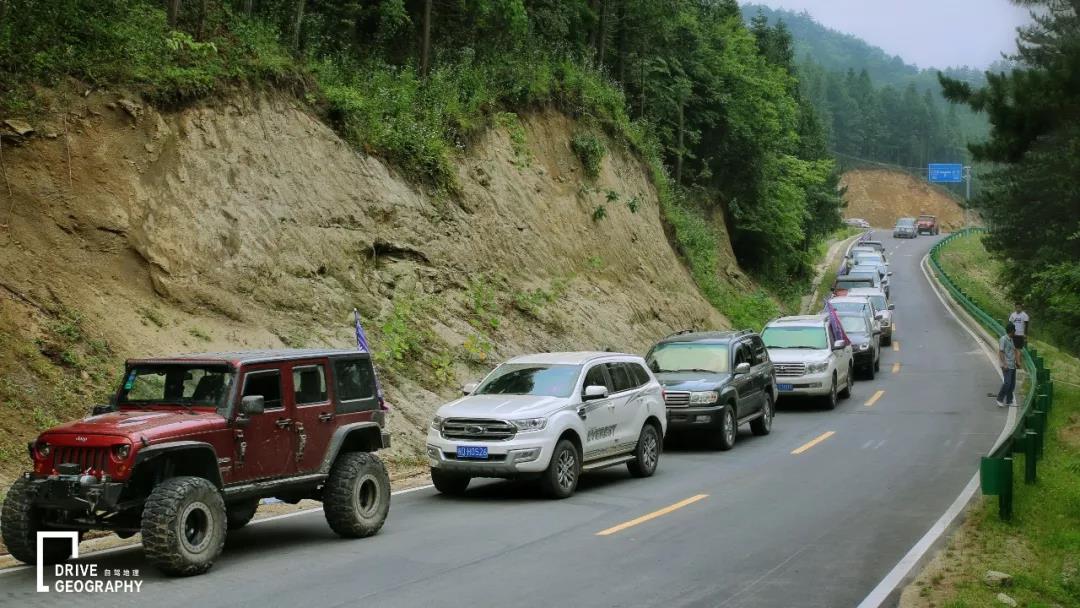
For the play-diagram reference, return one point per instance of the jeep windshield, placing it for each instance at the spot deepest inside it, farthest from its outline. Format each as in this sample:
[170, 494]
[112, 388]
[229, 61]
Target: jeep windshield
[709, 357]
[813, 337]
[176, 384]
[538, 379]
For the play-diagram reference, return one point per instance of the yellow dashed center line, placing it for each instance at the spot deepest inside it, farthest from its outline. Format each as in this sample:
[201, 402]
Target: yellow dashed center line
[816, 440]
[872, 400]
[896, 367]
[650, 516]
[896, 346]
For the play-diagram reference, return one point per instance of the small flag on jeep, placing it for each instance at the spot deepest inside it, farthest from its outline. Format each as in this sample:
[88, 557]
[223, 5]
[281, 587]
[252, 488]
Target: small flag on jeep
[362, 345]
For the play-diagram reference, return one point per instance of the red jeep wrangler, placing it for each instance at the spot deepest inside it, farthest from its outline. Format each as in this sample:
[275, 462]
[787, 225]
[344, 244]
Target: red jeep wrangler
[927, 224]
[192, 443]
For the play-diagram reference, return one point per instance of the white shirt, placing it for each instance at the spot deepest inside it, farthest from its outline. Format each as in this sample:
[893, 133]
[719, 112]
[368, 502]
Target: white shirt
[1019, 320]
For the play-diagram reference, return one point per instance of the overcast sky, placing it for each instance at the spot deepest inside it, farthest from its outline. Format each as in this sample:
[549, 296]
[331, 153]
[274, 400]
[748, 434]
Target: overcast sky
[928, 33]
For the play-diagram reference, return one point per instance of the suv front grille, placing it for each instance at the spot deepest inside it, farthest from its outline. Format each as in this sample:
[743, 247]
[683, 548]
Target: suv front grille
[789, 369]
[477, 430]
[677, 398]
[93, 460]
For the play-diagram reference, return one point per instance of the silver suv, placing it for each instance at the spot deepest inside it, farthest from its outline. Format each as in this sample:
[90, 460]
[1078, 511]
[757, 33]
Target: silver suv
[810, 358]
[550, 417]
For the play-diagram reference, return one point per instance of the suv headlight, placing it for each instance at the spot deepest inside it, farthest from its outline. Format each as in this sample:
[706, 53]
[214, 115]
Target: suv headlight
[436, 423]
[864, 346]
[704, 397]
[817, 368]
[530, 424]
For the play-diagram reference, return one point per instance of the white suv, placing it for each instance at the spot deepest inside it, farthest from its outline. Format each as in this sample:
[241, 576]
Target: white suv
[550, 416]
[810, 358]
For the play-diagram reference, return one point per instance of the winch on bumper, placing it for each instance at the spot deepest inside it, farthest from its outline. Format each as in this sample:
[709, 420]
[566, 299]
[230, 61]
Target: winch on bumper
[71, 490]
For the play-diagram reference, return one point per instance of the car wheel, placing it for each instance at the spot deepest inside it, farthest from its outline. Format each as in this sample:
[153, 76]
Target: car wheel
[724, 438]
[238, 514]
[763, 425]
[877, 362]
[833, 398]
[846, 393]
[646, 454]
[446, 482]
[20, 521]
[870, 372]
[561, 477]
[183, 525]
[356, 498]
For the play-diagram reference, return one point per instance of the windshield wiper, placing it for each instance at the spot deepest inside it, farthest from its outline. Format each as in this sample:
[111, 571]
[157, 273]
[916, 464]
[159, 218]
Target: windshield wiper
[696, 369]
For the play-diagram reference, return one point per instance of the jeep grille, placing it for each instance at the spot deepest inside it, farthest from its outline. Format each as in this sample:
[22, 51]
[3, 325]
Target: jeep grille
[92, 460]
[477, 430]
[789, 369]
[677, 398]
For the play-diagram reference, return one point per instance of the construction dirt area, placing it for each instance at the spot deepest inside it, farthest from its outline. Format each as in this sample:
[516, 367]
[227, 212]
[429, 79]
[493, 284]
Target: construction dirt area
[881, 196]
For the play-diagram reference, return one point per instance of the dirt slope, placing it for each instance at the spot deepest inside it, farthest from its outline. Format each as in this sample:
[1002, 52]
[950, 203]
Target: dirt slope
[250, 224]
[880, 196]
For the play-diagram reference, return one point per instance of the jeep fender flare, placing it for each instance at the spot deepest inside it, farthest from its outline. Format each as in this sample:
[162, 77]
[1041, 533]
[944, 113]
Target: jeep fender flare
[357, 436]
[199, 459]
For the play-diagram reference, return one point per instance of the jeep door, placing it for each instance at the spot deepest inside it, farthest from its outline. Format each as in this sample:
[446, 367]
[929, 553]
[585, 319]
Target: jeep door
[598, 415]
[313, 420]
[264, 445]
[627, 404]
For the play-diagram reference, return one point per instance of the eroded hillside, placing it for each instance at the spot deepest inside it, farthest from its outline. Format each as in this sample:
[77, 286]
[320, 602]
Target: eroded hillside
[881, 196]
[250, 224]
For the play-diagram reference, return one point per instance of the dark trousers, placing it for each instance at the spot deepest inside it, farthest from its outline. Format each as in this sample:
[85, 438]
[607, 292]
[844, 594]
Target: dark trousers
[1008, 386]
[1019, 341]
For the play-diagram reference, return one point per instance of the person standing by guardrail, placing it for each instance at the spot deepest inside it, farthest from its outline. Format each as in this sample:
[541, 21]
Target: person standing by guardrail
[1022, 321]
[1009, 357]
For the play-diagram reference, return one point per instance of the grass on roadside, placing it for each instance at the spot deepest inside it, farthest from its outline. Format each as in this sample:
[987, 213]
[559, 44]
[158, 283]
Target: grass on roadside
[1040, 547]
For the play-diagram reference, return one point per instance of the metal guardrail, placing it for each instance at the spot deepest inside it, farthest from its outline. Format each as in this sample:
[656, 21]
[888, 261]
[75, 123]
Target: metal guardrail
[1028, 434]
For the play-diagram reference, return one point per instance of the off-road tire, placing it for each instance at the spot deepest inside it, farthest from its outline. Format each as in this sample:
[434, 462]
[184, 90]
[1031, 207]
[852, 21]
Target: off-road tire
[846, 393]
[763, 426]
[450, 483]
[723, 438]
[561, 477]
[647, 452]
[20, 522]
[356, 498]
[833, 398]
[238, 514]
[183, 525]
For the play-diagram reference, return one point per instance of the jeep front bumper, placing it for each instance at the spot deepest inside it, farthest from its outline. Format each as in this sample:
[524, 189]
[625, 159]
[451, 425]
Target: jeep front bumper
[76, 493]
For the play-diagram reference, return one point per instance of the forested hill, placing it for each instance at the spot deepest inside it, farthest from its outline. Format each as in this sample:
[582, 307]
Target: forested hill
[875, 106]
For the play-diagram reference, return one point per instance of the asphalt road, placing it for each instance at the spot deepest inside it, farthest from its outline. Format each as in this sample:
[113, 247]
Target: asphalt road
[759, 526]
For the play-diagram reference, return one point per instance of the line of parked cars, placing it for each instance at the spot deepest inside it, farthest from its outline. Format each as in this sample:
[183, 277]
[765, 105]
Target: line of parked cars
[910, 227]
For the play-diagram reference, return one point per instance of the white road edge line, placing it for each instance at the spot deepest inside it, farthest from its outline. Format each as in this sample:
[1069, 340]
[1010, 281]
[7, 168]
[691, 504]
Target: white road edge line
[903, 568]
[112, 550]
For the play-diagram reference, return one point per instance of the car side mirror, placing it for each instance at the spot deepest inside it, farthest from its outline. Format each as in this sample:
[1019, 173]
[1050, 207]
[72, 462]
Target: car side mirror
[742, 368]
[877, 331]
[892, 306]
[594, 392]
[252, 405]
[839, 345]
[469, 388]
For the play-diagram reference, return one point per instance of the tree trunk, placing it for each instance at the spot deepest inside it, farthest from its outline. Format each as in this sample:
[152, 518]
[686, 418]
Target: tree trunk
[425, 41]
[594, 6]
[299, 22]
[249, 7]
[679, 151]
[601, 40]
[620, 70]
[172, 11]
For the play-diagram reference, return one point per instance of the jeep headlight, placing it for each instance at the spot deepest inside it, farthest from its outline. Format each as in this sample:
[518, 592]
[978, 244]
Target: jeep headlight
[817, 368]
[529, 424]
[436, 423]
[43, 449]
[121, 451]
[704, 397]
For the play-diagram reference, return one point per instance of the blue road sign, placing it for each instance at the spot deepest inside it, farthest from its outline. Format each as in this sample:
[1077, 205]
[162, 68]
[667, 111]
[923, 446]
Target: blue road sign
[947, 173]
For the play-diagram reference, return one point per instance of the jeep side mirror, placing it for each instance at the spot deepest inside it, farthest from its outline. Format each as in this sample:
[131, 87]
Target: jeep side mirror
[839, 345]
[469, 388]
[594, 392]
[890, 273]
[252, 405]
[742, 368]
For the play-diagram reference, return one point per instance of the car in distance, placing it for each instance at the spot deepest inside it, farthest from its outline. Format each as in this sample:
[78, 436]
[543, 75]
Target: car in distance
[714, 382]
[550, 417]
[810, 359]
[927, 224]
[883, 310]
[857, 222]
[852, 280]
[905, 228]
[191, 443]
[865, 342]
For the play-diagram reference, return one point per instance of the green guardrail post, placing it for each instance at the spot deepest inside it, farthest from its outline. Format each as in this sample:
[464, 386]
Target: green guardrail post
[1030, 458]
[1038, 419]
[1005, 501]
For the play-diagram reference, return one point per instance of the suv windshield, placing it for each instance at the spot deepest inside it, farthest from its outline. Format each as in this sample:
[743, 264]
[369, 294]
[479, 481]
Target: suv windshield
[854, 324]
[858, 307]
[905, 222]
[690, 357]
[177, 384]
[878, 302]
[795, 337]
[539, 379]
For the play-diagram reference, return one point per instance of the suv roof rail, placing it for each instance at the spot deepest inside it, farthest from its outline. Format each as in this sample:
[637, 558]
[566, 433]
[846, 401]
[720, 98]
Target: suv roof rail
[738, 333]
[680, 332]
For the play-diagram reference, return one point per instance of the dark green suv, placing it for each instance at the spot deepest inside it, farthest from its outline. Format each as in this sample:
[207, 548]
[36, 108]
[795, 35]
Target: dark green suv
[715, 381]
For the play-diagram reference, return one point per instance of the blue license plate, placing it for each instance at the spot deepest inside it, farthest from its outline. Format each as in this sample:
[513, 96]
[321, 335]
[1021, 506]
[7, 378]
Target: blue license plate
[472, 452]
[785, 387]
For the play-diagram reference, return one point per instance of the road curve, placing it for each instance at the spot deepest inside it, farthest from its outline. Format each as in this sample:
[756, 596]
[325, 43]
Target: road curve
[772, 523]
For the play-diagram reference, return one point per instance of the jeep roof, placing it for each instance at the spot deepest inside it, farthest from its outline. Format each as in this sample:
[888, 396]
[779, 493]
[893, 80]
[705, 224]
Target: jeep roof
[248, 357]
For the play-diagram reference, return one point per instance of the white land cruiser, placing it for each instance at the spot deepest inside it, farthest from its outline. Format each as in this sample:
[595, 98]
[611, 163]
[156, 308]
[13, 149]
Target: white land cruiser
[809, 359]
[550, 416]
